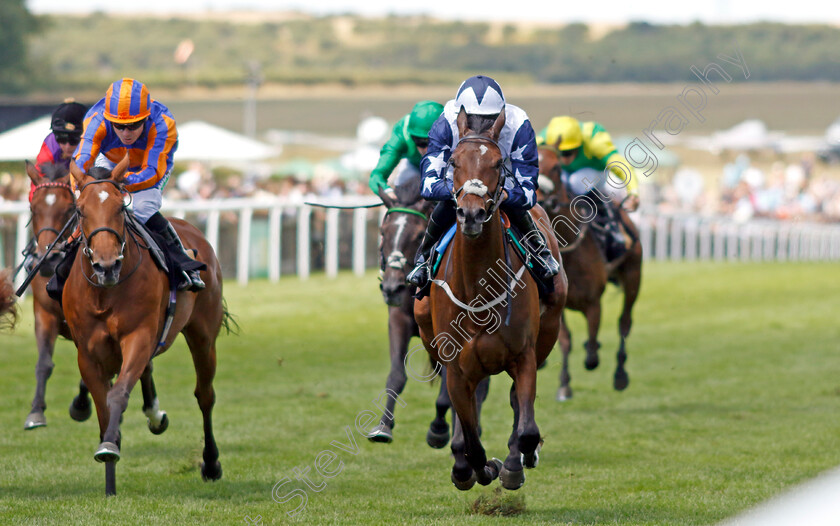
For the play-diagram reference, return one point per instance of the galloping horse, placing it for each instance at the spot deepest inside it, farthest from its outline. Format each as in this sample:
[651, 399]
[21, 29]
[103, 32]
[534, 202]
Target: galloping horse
[588, 273]
[475, 337]
[402, 231]
[115, 301]
[52, 206]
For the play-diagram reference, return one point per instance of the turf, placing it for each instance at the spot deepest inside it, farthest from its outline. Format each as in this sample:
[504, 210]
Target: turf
[733, 397]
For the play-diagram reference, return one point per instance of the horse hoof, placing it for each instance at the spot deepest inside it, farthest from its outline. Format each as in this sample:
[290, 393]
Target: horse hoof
[464, 485]
[80, 409]
[437, 440]
[621, 381]
[160, 428]
[531, 460]
[491, 471]
[512, 479]
[107, 452]
[35, 420]
[214, 473]
[591, 364]
[381, 433]
[564, 394]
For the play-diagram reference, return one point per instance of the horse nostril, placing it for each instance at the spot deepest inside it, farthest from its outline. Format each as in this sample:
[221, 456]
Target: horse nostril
[481, 215]
[117, 266]
[97, 268]
[460, 213]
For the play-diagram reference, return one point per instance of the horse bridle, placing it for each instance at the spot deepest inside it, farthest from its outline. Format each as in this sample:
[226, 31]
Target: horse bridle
[52, 184]
[491, 204]
[120, 237]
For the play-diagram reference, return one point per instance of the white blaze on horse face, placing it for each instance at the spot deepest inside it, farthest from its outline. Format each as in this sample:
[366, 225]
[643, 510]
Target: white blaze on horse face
[476, 187]
[103, 195]
[50, 199]
[483, 149]
[396, 257]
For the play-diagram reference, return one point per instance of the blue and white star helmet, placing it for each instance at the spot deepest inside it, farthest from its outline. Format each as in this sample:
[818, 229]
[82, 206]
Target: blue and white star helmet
[480, 95]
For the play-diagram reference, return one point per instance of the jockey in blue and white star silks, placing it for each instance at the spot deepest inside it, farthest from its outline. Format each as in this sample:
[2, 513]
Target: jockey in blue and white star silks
[482, 100]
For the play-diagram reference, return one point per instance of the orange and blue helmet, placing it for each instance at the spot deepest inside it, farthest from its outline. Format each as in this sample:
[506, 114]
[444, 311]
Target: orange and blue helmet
[127, 101]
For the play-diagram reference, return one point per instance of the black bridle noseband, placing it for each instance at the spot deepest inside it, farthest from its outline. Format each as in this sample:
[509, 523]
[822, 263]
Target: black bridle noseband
[491, 204]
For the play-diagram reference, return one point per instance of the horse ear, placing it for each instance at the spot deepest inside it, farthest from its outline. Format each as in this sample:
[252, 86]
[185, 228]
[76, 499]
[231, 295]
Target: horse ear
[496, 130]
[462, 122]
[32, 172]
[556, 144]
[118, 173]
[78, 174]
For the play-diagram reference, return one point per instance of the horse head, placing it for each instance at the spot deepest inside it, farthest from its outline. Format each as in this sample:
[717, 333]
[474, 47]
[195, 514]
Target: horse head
[477, 163]
[550, 167]
[52, 206]
[402, 231]
[101, 211]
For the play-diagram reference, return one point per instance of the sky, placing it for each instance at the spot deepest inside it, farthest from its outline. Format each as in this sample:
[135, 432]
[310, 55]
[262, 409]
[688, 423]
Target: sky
[654, 11]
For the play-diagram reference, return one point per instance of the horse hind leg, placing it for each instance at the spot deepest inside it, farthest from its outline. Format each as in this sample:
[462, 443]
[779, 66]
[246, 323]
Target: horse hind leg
[593, 323]
[630, 281]
[399, 334]
[203, 350]
[156, 419]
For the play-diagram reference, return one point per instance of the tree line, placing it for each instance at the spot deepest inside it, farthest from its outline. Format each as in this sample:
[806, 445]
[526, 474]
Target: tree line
[41, 54]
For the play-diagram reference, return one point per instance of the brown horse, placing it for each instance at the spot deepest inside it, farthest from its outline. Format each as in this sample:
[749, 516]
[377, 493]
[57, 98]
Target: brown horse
[8, 301]
[115, 301]
[52, 206]
[402, 231]
[588, 273]
[474, 337]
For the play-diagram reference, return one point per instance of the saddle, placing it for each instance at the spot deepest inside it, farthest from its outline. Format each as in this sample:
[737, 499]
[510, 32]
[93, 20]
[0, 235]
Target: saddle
[513, 240]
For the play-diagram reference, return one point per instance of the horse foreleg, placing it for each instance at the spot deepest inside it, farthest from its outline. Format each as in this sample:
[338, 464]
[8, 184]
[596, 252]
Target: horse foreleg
[98, 384]
[155, 418]
[80, 406]
[512, 475]
[438, 434]
[46, 331]
[203, 350]
[525, 387]
[463, 475]
[399, 333]
[462, 393]
[630, 280]
[564, 392]
[593, 323]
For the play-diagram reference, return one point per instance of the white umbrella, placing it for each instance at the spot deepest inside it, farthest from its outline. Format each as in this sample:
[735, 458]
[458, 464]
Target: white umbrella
[200, 141]
[24, 142]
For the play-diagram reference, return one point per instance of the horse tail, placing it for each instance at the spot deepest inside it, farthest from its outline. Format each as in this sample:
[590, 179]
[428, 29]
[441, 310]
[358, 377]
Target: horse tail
[8, 301]
[229, 320]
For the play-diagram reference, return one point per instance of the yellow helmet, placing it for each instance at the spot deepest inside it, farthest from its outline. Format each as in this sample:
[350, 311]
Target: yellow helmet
[564, 133]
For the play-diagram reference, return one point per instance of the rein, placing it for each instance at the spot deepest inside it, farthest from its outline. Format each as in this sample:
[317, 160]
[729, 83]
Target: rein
[407, 211]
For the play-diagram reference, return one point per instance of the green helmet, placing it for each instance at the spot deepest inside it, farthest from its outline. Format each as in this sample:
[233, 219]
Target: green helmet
[423, 115]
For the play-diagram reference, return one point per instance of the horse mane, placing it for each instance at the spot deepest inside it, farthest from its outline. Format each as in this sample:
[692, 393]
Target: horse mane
[99, 173]
[54, 171]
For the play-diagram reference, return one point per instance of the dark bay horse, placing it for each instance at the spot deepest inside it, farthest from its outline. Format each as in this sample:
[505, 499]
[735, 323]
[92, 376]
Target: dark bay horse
[115, 301]
[402, 231]
[588, 274]
[52, 206]
[478, 325]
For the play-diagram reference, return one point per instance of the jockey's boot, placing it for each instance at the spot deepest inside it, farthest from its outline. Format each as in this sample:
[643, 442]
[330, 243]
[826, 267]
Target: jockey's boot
[190, 277]
[546, 266]
[615, 242]
[440, 221]
[55, 285]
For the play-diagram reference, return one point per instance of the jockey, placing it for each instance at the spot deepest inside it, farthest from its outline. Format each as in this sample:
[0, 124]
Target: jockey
[404, 149]
[587, 157]
[57, 148]
[128, 121]
[483, 101]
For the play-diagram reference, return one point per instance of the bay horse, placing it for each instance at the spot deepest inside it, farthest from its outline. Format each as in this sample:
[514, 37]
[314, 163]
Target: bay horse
[52, 205]
[588, 273]
[115, 301]
[475, 337]
[401, 232]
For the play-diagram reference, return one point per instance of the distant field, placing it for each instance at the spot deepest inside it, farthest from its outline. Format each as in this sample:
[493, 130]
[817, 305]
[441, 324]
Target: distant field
[734, 396]
[622, 108]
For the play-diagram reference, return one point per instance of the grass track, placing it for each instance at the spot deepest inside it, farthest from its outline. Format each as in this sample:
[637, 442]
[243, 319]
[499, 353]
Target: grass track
[733, 397]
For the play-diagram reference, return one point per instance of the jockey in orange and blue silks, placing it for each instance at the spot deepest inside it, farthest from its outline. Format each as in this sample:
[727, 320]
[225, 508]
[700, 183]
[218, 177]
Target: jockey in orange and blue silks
[482, 100]
[128, 121]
